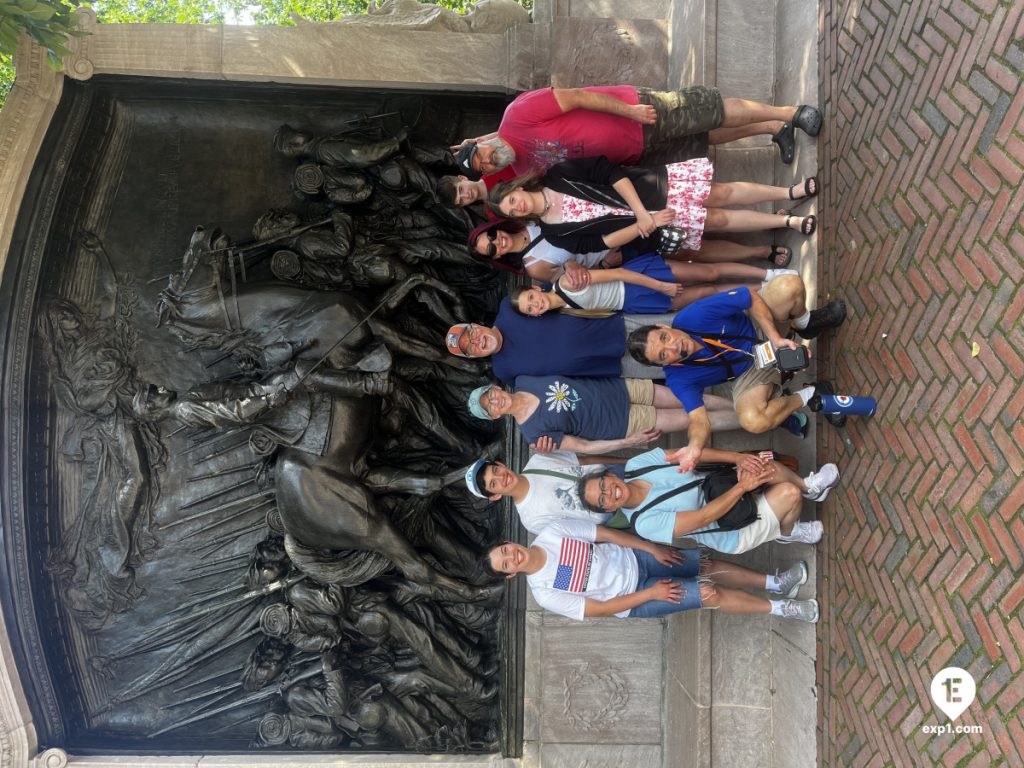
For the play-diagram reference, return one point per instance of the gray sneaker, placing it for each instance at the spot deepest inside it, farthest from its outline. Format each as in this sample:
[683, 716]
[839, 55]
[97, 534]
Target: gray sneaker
[789, 581]
[821, 482]
[804, 533]
[801, 610]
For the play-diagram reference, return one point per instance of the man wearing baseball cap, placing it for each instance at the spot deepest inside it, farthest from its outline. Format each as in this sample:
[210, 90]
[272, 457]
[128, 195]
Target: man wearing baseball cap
[545, 491]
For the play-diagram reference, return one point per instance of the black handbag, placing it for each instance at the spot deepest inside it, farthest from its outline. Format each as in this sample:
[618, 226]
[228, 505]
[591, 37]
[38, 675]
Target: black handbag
[670, 241]
[743, 513]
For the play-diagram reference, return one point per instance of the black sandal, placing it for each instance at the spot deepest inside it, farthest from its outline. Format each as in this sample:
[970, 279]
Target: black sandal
[808, 192]
[808, 225]
[780, 250]
[787, 144]
[807, 119]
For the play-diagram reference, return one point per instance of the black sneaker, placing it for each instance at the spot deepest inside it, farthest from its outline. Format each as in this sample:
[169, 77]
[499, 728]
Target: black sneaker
[831, 315]
[825, 387]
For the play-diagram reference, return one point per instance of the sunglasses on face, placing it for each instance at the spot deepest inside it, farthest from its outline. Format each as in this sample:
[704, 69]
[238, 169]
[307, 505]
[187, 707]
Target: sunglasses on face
[492, 248]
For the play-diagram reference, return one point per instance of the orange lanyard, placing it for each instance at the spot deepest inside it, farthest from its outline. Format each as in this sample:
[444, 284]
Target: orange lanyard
[714, 343]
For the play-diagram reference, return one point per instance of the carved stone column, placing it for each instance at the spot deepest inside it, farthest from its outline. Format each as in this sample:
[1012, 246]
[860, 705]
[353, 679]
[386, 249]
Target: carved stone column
[23, 122]
[17, 736]
[50, 758]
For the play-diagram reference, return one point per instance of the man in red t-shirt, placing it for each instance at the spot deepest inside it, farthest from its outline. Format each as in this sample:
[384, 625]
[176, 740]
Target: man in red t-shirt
[628, 125]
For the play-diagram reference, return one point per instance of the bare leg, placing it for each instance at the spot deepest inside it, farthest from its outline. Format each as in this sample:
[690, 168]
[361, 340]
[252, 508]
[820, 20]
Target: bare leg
[735, 133]
[784, 474]
[717, 403]
[743, 111]
[786, 297]
[685, 272]
[677, 420]
[671, 419]
[785, 500]
[691, 293]
[732, 575]
[730, 220]
[663, 398]
[732, 600]
[758, 414]
[712, 251]
[724, 421]
[748, 193]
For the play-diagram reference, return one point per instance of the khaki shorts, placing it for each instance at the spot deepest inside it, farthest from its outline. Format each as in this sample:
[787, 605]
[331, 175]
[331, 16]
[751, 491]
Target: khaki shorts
[684, 118]
[765, 528]
[755, 377]
[642, 413]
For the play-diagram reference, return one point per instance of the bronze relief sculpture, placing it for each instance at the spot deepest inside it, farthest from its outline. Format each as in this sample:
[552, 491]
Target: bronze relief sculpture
[328, 596]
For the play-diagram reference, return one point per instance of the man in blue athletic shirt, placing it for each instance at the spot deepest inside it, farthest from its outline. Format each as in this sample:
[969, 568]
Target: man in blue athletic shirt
[712, 341]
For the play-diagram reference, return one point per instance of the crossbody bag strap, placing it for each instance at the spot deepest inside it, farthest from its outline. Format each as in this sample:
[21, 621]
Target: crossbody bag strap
[565, 297]
[665, 496]
[550, 473]
[631, 473]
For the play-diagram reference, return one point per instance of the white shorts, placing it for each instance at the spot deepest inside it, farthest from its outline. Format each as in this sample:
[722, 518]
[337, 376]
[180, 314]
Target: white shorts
[765, 528]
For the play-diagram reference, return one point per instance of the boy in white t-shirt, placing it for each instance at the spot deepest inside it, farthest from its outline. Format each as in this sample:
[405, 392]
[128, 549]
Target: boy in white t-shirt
[579, 569]
[545, 491]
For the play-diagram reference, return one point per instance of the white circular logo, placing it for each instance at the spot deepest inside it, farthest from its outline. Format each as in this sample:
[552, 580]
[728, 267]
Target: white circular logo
[844, 401]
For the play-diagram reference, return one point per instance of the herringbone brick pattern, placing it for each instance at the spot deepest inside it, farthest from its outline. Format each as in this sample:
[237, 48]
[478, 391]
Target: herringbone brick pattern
[921, 160]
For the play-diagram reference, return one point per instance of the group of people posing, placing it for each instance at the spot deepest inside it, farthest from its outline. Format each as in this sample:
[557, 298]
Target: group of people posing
[602, 196]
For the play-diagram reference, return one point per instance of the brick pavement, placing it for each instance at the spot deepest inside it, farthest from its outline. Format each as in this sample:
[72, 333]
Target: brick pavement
[922, 158]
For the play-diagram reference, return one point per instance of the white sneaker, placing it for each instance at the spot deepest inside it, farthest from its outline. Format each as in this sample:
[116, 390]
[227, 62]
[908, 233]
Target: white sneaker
[821, 482]
[801, 610]
[788, 582]
[804, 533]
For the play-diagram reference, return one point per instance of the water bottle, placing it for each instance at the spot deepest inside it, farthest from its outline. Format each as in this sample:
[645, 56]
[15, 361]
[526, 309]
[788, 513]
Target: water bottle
[843, 404]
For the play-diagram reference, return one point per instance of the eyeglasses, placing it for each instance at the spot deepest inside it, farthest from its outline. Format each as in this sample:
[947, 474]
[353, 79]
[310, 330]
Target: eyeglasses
[603, 497]
[467, 338]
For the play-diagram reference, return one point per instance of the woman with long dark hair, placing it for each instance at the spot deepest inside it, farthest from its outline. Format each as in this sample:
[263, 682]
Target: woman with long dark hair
[518, 247]
[589, 204]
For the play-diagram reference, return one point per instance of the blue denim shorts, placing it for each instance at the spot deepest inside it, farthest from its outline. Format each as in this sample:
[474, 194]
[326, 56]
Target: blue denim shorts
[650, 571]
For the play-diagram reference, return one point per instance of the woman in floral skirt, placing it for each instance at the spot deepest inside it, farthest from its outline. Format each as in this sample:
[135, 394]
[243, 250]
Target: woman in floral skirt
[589, 204]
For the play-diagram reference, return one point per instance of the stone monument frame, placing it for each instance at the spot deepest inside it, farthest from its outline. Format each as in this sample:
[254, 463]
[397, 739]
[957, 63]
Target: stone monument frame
[503, 63]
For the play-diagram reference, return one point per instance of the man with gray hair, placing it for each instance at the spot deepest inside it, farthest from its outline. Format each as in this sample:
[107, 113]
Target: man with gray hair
[628, 125]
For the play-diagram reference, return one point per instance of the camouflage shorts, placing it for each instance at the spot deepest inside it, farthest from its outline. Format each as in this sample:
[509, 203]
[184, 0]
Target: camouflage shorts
[684, 119]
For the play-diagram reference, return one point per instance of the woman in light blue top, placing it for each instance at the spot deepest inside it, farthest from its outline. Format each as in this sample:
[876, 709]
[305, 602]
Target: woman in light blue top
[662, 504]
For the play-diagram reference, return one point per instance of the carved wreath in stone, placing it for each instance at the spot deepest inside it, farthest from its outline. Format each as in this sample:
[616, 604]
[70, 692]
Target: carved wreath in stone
[593, 699]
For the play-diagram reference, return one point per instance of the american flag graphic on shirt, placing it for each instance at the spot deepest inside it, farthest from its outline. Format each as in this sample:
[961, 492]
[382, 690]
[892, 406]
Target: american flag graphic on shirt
[574, 565]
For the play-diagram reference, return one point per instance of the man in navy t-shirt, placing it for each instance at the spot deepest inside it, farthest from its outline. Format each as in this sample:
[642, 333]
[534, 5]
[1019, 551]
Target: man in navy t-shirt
[712, 341]
[550, 345]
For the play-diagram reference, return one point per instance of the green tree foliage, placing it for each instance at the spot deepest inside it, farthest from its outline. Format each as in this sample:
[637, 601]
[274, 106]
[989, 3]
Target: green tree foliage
[49, 22]
[168, 11]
